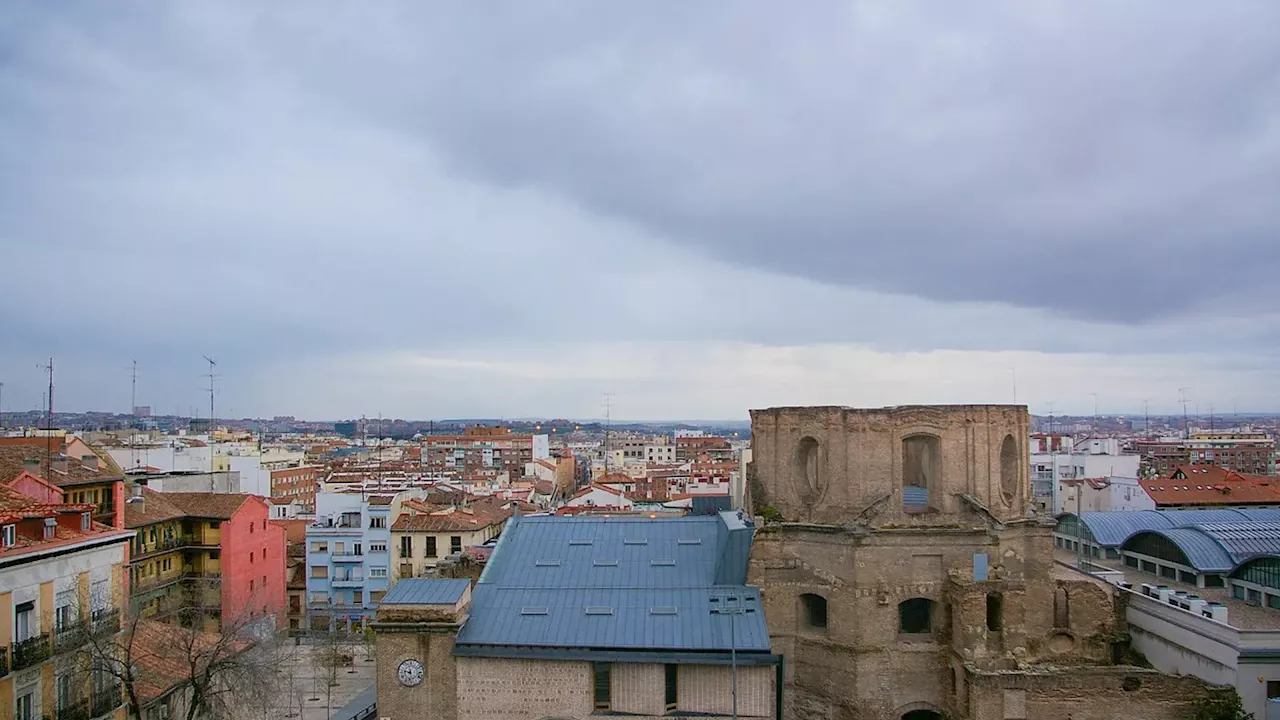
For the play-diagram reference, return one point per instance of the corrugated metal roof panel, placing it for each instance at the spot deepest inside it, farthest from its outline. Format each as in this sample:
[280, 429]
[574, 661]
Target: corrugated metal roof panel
[425, 591]
[676, 567]
[498, 618]
[1205, 554]
[1245, 540]
[1111, 529]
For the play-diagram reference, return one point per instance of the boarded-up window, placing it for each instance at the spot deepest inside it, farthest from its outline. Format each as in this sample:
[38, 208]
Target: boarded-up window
[1061, 609]
[601, 676]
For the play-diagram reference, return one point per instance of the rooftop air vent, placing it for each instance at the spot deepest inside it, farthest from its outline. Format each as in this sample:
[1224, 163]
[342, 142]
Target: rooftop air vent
[605, 563]
[635, 541]
[664, 610]
[547, 563]
[662, 562]
[599, 610]
[689, 541]
[580, 542]
[533, 610]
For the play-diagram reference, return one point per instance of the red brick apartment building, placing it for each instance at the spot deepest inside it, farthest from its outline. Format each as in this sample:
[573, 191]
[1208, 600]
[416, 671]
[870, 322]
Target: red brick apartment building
[477, 449]
[717, 449]
[298, 483]
[1252, 453]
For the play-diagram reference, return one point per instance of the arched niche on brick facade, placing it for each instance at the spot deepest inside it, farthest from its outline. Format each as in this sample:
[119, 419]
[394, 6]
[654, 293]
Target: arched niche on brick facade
[1009, 470]
[810, 480]
[921, 465]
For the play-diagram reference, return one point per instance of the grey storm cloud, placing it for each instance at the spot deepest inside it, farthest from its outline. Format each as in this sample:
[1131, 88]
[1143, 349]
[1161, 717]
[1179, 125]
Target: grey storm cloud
[1089, 158]
[282, 182]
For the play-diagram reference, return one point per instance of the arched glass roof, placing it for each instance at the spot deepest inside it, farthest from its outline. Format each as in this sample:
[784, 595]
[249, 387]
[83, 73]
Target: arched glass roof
[1111, 529]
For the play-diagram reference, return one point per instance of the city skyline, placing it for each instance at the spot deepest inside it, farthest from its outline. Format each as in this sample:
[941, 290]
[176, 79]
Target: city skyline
[437, 211]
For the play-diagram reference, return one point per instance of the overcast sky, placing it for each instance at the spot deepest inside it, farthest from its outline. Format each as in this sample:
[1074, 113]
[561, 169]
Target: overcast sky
[474, 209]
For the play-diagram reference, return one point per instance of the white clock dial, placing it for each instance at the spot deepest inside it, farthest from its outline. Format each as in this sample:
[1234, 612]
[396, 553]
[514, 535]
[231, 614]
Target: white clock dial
[410, 673]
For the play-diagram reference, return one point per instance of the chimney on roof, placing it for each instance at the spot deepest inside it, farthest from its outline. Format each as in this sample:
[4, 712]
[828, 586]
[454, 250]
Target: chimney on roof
[90, 461]
[31, 466]
[60, 463]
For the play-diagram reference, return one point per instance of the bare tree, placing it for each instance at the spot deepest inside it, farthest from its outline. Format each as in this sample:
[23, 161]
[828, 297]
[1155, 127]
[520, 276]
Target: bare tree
[177, 654]
[331, 653]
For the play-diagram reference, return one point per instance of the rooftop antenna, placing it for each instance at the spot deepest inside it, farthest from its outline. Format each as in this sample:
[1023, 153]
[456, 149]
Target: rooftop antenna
[608, 426]
[1211, 424]
[1146, 417]
[133, 417]
[1, 406]
[1186, 427]
[48, 424]
[212, 375]
[1094, 429]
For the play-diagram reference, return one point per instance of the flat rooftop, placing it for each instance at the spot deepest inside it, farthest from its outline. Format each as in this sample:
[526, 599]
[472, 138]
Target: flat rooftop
[1240, 614]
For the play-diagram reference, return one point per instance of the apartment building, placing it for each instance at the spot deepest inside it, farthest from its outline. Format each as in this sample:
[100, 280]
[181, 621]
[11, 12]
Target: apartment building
[296, 484]
[1251, 452]
[61, 577]
[348, 560]
[70, 464]
[1055, 458]
[1210, 486]
[425, 533]
[207, 560]
[484, 448]
[578, 617]
[712, 447]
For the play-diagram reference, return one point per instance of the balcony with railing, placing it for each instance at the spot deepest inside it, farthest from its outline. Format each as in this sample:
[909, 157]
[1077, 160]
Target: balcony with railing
[349, 581]
[4, 661]
[348, 557]
[69, 637]
[104, 700]
[32, 651]
[105, 622]
[75, 710]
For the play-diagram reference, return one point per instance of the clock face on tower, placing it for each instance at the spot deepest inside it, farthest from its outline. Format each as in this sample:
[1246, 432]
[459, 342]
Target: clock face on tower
[410, 673]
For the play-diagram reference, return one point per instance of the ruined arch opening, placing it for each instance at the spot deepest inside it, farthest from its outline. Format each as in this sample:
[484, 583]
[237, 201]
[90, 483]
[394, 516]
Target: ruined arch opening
[1061, 608]
[921, 715]
[813, 612]
[809, 468]
[1009, 467]
[921, 456]
[915, 616]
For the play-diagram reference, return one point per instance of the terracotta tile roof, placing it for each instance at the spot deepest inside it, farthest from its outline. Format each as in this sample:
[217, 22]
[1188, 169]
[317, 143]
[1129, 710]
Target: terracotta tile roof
[544, 487]
[546, 464]
[13, 455]
[380, 500]
[595, 486]
[156, 507]
[295, 531]
[166, 653]
[1212, 485]
[16, 507]
[218, 506]
[616, 478]
[480, 515]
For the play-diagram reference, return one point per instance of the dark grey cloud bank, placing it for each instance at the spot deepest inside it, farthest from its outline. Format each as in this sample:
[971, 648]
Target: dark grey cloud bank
[1085, 157]
[271, 182]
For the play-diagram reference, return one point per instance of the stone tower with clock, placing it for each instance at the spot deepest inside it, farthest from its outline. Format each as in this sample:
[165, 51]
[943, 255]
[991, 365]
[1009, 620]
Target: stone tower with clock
[416, 626]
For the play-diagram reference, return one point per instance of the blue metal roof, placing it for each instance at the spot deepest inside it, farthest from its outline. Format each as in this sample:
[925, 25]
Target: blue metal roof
[1244, 541]
[621, 583]
[1202, 551]
[1112, 528]
[424, 591]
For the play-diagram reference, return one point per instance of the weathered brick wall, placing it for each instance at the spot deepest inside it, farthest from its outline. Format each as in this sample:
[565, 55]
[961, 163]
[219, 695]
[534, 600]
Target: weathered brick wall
[866, 558]
[436, 697]
[535, 689]
[860, 460]
[1083, 693]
